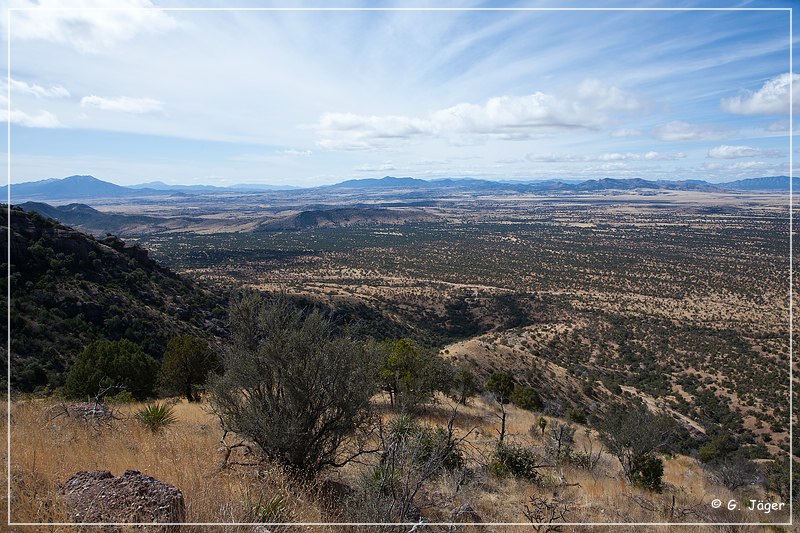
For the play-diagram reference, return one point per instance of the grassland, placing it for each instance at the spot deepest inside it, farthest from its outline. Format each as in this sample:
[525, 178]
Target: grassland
[188, 455]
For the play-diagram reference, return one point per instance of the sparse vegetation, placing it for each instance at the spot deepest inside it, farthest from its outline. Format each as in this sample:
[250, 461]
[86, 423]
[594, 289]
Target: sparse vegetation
[638, 324]
[634, 436]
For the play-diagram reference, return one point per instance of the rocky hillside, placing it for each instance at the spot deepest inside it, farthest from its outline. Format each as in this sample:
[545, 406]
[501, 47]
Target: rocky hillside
[69, 289]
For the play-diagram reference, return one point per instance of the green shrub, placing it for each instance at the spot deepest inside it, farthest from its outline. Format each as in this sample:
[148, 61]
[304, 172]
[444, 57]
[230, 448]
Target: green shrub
[156, 416]
[501, 385]
[515, 460]
[112, 364]
[431, 445]
[121, 397]
[647, 473]
[577, 415]
[187, 362]
[412, 374]
[269, 510]
[718, 448]
[526, 397]
[292, 387]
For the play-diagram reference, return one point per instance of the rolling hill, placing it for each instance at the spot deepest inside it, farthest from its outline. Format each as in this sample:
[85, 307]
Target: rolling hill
[345, 217]
[90, 220]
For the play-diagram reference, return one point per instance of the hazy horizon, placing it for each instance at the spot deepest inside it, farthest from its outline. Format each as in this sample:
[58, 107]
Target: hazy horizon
[376, 177]
[306, 98]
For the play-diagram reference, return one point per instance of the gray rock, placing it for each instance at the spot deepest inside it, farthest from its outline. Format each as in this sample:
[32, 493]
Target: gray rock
[132, 497]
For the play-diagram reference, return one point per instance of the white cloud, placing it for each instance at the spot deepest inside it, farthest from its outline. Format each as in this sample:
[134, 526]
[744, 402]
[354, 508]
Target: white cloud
[42, 119]
[750, 165]
[606, 97]
[683, 131]
[55, 91]
[605, 167]
[502, 117]
[388, 165]
[123, 104]
[625, 132]
[744, 169]
[85, 27]
[771, 99]
[607, 157]
[736, 152]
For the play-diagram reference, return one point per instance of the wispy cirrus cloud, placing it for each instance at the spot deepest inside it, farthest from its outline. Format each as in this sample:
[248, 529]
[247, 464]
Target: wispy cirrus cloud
[123, 104]
[504, 117]
[607, 157]
[29, 119]
[84, 26]
[678, 130]
[32, 89]
[771, 99]
[738, 152]
[382, 167]
[41, 119]
[625, 132]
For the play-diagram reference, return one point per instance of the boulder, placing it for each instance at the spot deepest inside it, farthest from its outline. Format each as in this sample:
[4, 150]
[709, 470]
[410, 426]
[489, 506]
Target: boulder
[132, 497]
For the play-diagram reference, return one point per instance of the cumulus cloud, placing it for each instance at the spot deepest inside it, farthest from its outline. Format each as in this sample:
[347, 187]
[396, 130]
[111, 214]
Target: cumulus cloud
[737, 152]
[683, 131]
[123, 104]
[55, 91]
[502, 117]
[771, 99]
[83, 26]
[607, 157]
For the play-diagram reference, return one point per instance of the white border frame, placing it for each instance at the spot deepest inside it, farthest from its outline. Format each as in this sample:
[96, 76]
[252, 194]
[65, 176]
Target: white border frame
[10, 10]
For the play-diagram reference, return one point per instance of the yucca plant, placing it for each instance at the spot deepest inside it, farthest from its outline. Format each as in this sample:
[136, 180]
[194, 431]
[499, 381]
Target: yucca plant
[156, 416]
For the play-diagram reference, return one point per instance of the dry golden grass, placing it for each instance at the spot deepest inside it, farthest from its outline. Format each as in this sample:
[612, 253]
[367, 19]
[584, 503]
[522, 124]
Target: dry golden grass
[46, 453]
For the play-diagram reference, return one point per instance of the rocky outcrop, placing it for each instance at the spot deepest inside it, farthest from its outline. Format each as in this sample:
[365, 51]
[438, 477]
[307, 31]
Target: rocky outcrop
[130, 498]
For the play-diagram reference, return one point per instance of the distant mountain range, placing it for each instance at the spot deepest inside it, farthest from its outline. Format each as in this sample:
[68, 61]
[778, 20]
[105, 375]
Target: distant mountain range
[242, 187]
[87, 187]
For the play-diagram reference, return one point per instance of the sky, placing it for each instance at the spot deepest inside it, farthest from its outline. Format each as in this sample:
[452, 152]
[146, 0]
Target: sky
[314, 97]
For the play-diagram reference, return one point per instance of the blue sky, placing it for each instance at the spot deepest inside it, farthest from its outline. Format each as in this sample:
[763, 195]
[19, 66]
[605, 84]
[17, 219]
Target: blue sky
[311, 97]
